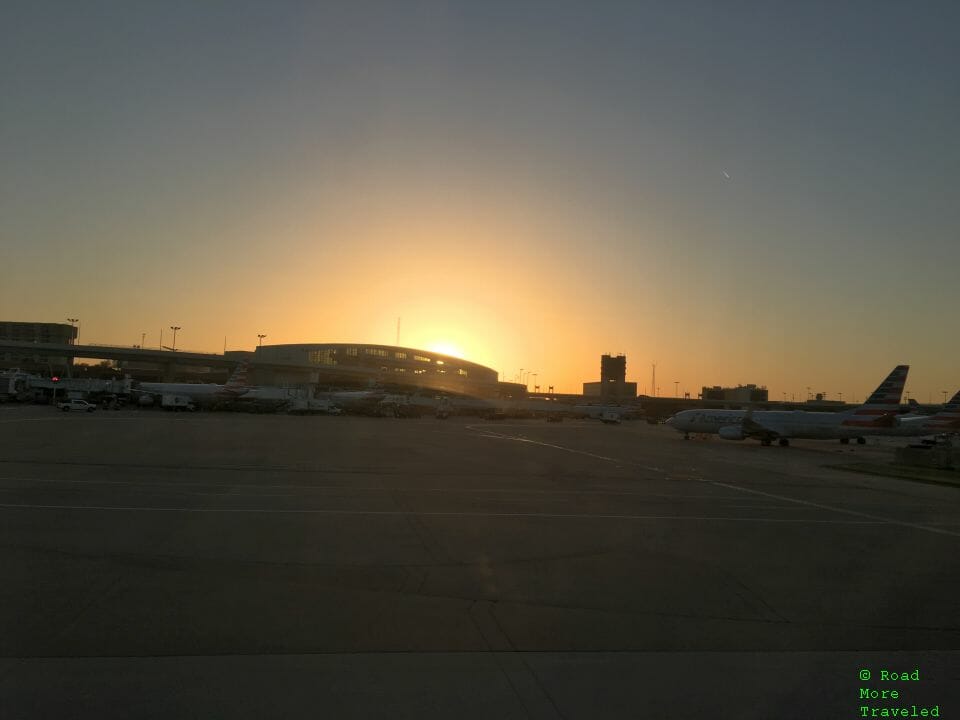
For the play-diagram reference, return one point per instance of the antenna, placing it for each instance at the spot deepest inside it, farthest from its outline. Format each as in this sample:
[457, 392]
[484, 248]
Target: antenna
[653, 381]
[398, 331]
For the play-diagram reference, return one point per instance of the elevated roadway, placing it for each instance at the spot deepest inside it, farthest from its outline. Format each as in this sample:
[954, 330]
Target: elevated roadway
[120, 352]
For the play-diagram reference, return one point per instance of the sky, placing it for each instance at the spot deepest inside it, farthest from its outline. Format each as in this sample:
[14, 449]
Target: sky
[738, 192]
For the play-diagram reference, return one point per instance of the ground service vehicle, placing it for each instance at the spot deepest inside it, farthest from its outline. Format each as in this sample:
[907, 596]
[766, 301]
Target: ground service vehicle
[177, 402]
[68, 405]
[610, 417]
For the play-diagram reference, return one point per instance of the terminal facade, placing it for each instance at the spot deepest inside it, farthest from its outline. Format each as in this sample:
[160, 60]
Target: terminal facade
[35, 332]
[350, 363]
[49, 347]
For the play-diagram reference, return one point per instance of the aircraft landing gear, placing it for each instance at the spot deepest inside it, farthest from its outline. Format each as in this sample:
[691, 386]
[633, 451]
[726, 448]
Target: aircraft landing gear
[861, 441]
[784, 442]
[844, 441]
[686, 436]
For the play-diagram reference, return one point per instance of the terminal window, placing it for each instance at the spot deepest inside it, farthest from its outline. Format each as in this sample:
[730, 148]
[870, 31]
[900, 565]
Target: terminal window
[323, 357]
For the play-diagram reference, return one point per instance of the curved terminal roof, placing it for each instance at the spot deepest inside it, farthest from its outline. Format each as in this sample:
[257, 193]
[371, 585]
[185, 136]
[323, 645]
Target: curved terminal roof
[398, 361]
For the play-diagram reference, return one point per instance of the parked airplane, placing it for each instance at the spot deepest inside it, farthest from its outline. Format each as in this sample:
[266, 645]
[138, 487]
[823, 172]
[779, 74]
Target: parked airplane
[947, 420]
[879, 411]
[235, 387]
[360, 402]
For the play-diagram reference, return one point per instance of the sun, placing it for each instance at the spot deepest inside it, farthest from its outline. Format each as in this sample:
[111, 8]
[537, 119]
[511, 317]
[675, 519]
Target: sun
[445, 347]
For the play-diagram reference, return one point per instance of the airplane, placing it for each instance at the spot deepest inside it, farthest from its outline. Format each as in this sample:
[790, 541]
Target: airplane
[236, 386]
[361, 402]
[876, 414]
[947, 420]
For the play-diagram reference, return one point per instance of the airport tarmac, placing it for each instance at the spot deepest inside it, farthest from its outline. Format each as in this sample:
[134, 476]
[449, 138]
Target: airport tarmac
[227, 564]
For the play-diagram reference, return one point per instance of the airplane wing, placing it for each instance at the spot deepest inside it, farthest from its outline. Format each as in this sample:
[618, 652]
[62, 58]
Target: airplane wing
[761, 431]
[747, 427]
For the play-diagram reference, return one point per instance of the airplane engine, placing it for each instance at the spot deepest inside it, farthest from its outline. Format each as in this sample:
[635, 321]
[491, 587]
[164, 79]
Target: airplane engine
[731, 432]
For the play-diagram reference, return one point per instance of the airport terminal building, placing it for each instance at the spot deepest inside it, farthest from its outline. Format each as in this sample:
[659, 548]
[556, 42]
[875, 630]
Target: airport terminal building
[41, 346]
[35, 332]
[350, 363]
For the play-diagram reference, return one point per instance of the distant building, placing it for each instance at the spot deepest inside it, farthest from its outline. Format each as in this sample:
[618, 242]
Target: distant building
[613, 383]
[740, 393]
[348, 363]
[34, 332]
[821, 399]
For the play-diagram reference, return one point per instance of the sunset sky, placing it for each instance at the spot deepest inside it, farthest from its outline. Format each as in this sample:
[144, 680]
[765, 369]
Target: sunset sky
[741, 192]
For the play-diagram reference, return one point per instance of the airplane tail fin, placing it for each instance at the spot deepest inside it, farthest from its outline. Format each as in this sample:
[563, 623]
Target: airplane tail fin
[238, 380]
[949, 417]
[883, 404]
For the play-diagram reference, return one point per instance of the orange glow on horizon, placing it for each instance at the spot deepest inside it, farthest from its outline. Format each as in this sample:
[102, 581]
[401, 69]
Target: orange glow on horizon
[445, 347]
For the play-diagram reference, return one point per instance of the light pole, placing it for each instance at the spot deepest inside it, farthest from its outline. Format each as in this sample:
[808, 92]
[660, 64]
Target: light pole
[143, 337]
[76, 338]
[676, 388]
[535, 381]
[808, 392]
[173, 347]
[261, 337]
[521, 374]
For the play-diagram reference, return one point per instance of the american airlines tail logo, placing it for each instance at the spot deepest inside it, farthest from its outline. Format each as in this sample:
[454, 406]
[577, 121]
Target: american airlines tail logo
[237, 384]
[949, 417]
[886, 398]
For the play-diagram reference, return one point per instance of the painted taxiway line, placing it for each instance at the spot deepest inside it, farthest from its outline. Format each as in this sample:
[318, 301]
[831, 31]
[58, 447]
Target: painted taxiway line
[486, 433]
[588, 492]
[413, 513]
[34, 419]
[855, 513]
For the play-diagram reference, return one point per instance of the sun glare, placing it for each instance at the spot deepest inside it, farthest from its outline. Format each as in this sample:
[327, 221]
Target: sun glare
[445, 348]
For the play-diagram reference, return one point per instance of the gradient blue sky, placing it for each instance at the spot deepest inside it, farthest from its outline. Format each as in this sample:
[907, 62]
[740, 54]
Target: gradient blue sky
[533, 183]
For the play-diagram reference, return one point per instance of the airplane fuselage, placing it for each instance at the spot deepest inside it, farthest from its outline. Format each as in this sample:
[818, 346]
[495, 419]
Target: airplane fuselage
[783, 423]
[189, 389]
